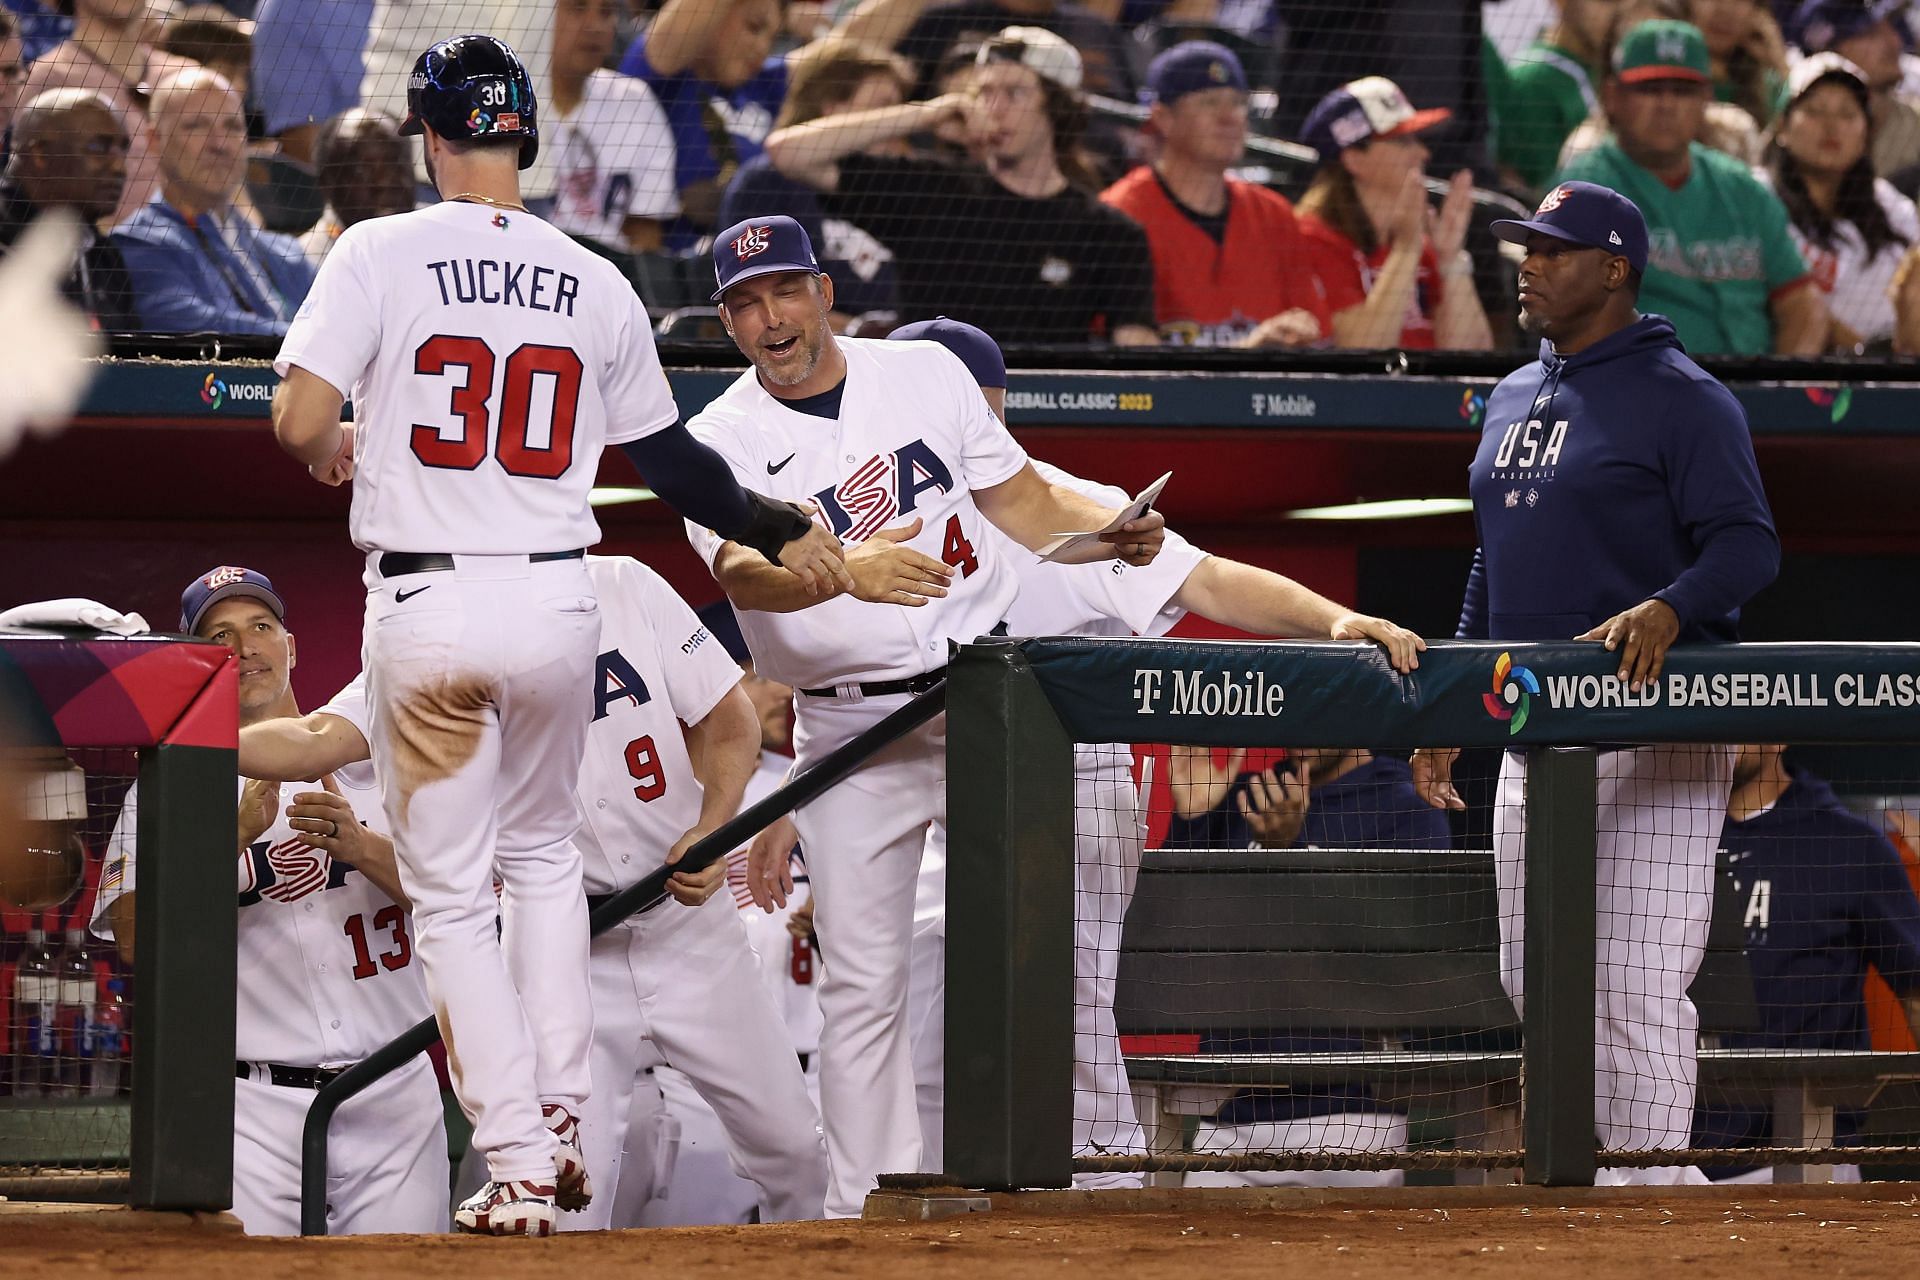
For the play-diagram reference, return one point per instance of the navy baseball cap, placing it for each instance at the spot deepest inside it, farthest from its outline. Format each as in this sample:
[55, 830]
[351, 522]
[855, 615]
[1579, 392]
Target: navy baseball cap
[224, 583]
[1193, 66]
[760, 247]
[1365, 109]
[1587, 214]
[975, 347]
[1818, 25]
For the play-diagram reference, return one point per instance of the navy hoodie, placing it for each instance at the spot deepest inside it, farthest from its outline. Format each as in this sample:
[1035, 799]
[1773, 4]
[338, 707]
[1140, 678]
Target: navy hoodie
[1606, 478]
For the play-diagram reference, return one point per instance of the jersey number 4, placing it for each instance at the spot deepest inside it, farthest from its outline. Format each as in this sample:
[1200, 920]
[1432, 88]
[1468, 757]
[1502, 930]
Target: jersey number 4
[521, 449]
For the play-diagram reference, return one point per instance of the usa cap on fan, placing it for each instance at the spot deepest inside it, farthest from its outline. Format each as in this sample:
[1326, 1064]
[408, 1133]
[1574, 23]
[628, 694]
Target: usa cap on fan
[469, 87]
[975, 346]
[1193, 66]
[1039, 51]
[1818, 25]
[224, 583]
[1365, 109]
[760, 247]
[1586, 214]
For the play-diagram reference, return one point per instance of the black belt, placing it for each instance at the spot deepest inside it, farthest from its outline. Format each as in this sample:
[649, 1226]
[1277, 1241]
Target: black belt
[912, 684]
[393, 564]
[289, 1077]
[881, 688]
[595, 901]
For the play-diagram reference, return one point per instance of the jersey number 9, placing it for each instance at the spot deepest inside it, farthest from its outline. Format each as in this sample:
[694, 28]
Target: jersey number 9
[521, 450]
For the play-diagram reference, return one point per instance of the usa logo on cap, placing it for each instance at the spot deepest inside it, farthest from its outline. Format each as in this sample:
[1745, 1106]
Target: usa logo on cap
[752, 242]
[1552, 202]
[225, 575]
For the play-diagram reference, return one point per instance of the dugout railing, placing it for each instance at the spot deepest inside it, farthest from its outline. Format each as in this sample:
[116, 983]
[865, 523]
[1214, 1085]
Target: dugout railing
[1017, 709]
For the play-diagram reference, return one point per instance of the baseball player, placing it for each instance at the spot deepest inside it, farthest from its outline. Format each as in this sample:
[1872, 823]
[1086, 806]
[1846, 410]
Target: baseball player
[908, 467]
[490, 358]
[676, 982]
[1617, 500]
[326, 967]
[1101, 599]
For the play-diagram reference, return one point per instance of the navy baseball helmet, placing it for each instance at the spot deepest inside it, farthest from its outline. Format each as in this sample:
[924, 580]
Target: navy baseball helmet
[469, 87]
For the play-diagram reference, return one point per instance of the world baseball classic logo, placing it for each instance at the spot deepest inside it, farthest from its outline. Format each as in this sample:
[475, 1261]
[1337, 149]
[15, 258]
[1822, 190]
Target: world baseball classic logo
[213, 391]
[1512, 696]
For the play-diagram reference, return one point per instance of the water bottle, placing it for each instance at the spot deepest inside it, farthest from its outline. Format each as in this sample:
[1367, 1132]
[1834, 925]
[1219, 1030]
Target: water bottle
[76, 1013]
[108, 1069]
[36, 1001]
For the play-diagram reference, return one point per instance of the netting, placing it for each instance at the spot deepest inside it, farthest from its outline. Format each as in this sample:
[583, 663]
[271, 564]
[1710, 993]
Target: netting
[66, 1077]
[1317, 174]
[1320, 977]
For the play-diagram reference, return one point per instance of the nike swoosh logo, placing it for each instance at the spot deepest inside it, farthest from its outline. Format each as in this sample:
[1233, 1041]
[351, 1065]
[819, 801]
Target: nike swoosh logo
[774, 468]
[401, 597]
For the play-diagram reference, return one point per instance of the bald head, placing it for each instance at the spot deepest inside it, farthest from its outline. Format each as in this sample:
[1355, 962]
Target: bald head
[70, 151]
[202, 139]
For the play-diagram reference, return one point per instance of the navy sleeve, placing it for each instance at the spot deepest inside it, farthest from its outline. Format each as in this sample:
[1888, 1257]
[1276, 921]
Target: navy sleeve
[1473, 608]
[692, 479]
[1888, 912]
[1715, 487]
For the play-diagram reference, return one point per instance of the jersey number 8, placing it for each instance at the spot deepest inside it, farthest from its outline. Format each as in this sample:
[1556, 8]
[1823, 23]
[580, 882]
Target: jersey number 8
[520, 450]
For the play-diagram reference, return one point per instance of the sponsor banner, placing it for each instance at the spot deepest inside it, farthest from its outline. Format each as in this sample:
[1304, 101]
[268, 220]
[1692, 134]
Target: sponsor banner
[1474, 694]
[1224, 399]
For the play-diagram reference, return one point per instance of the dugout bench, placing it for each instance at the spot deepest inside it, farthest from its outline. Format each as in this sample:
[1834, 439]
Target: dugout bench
[1401, 951]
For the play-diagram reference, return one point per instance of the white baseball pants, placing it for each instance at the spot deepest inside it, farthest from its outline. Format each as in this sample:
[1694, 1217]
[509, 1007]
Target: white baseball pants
[386, 1157]
[863, 839]
[1660, 814]
[480, 687]
[685, 980]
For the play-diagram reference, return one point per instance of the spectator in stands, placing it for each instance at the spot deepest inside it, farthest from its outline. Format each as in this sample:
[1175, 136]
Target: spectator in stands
[1872, 35]
[306, 56]
[708, 62]
[1394, 274]
[1228, 259]
[198, 266]
[42, 24]
[219, 46]
[1318, 798]
[13, 71]
[927, 33]
[1723, 267]
[1824, 895]
[109, 56]
[605, 171]
[1552, 87]
[1024, 249]
[1747, 53]
[832, 77]
[70, 152]
[1853, 229]
[365, 171]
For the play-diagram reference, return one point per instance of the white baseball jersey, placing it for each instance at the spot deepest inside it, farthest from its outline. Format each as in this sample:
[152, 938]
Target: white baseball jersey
[914, 440]
[659, 666]
[326, 968]
[490, 359]
[789, 966]
[611, 160]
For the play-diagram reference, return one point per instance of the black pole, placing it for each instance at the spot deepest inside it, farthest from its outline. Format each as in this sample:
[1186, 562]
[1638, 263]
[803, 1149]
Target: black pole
[641, 896]
[1557, 1026]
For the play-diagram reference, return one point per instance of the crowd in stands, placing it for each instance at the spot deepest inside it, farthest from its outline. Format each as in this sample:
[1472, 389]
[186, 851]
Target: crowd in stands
[1209, 172]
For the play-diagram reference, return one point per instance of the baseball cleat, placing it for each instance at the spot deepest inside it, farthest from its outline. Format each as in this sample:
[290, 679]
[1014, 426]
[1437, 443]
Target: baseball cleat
[572, 1190]
[508, 1209]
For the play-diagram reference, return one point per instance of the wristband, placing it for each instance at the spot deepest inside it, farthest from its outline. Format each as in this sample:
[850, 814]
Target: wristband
[772, 525]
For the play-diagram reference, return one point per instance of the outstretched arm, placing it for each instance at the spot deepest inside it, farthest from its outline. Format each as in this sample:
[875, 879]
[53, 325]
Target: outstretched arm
[1269, 604]
[300, 750]
[1030, 510]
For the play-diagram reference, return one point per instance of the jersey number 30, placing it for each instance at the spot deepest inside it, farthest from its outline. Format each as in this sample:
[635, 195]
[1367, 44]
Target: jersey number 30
[520, 449]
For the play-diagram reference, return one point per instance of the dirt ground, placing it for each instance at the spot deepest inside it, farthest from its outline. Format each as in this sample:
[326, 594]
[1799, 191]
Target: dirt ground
[1763, 1232]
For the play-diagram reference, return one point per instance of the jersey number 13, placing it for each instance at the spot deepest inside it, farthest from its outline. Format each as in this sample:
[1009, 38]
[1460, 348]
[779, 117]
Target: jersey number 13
[542, 452]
